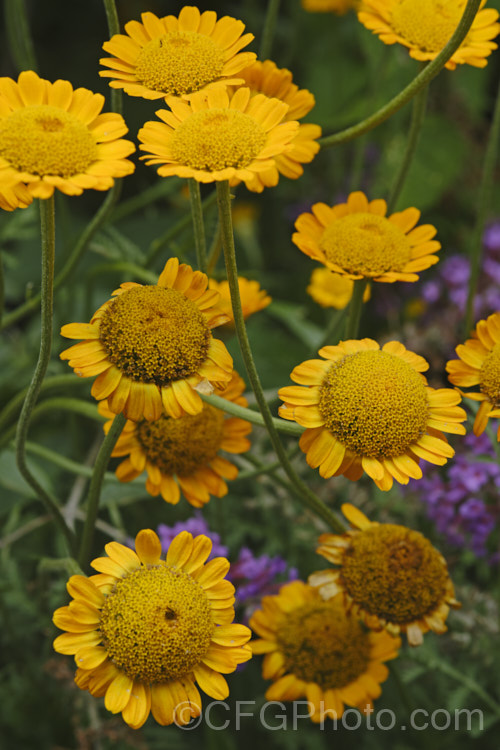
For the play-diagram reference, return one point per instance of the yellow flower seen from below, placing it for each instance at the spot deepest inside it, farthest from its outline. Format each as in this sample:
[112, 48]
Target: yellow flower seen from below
[219, 137]
[479, 364]
[183, 454]
[144, 630]
[266, 78]
[151, 347]
[390, 576]
[425, 27]
[52, 136]
[370, 410]
[317, 650]
[253, 298]
[331, 289]
[177, 57]
[357, 240]
[339, 7]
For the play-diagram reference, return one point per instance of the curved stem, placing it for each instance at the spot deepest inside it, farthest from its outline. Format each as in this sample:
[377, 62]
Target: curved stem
[308, 497]
[113, 28]
[255, 417]
[94, 495]
[47, 222]
[421, 80]
[483, 204]
[355, 309]
[417, 119]
[266, 44]
[198, 225]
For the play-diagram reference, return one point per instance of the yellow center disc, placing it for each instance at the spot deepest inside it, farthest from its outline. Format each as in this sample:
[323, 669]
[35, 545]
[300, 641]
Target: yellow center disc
[365, 244]
[217, 138]
[427, 24]
[179, 63]
[155, 335]
[394, 572]
[490, 376]
[375, 403]
[323, 644]
[156, 624]
[181, 446]
[45, 140]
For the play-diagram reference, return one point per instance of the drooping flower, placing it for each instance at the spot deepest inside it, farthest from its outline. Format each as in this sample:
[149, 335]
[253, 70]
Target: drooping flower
[52, 136]
[425, 26]
[219, 137]
[390, 576]
[339, 7]
[331, 289]
[479, 364]
[266, 78]
[177, 57]
[357, 239]
[370, 409]
[253, 298]
[144, 630]
[152, 346]
[17, 196]
[315, 649]
[183, 454]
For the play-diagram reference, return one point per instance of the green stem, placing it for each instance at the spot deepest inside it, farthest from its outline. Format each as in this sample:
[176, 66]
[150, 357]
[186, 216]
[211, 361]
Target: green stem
[483, 204]
[12, 407]
[198, 225]
[355, 309]
[94, 495]
[47, 223]
[255, 417]
[266, 44]
[419, 82]
[308, 497]
[417, 119]
[78, 250]
[2, 288]
[113, 28]
[18, 34]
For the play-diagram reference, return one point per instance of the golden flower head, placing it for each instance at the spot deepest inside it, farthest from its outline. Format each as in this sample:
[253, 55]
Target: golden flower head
[218, 136]
[151, 347]
[339, 7]
[177, 57]
[331, 289]
[52, 136]
[479, 364]
[266, 78]
[425, 27]
[357, 240]
[253, 298]
[390, 576]
[144, 630]
[370, 410]
[316, 649]
[183, 454]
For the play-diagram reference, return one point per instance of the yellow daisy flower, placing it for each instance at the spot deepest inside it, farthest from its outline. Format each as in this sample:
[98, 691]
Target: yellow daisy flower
[266, 78]
[164, 57]
[390, 576]
[425, 26]
[357, 240]
[253, 298]
[315, 649]
[330, 289]
[479, 364]
[339, 7]
[52, 136]
[145, 629]
[151, 347]
[17, 196]
[182, 454]
[370, 409]
[219, 137]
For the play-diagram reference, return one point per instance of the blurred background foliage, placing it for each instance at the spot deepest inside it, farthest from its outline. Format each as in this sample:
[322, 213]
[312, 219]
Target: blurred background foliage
[351, 74]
